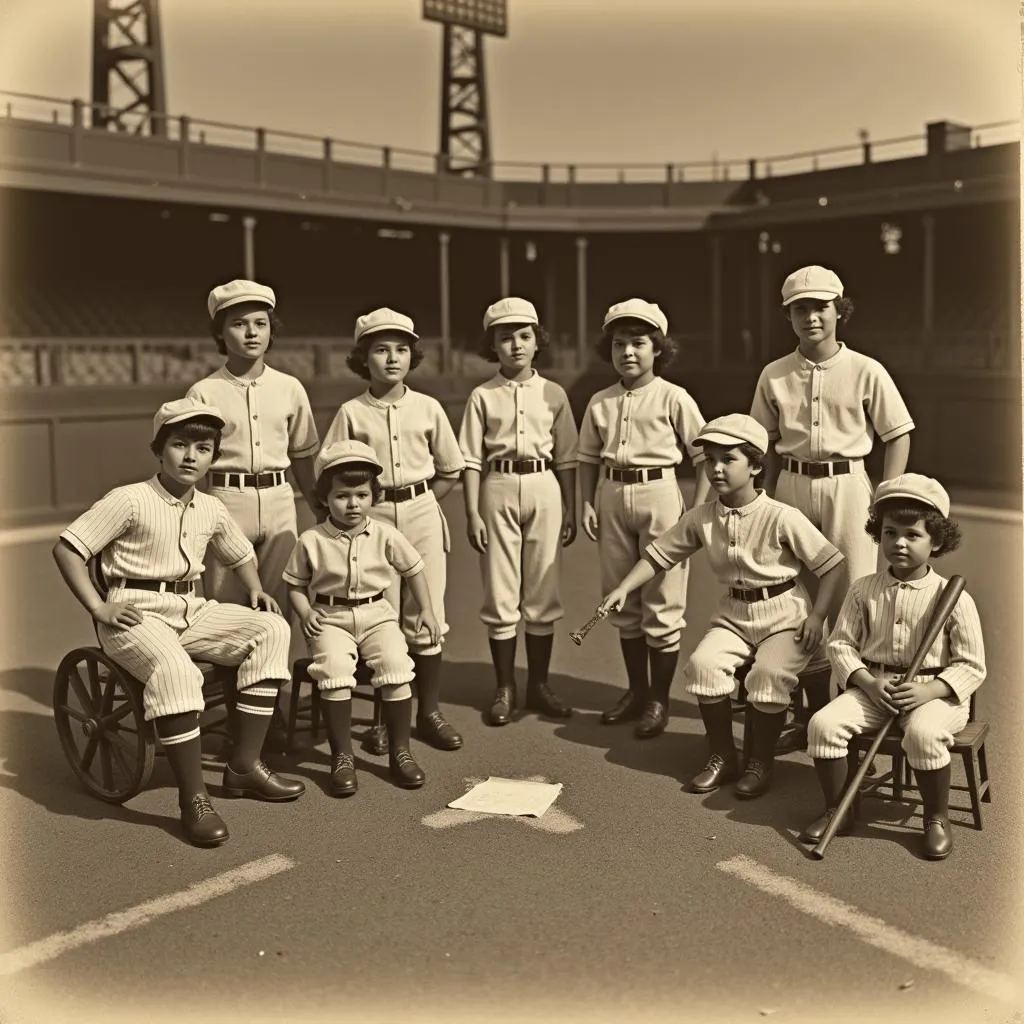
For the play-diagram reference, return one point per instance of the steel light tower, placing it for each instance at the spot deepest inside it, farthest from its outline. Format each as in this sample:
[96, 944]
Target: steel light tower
[128, 67]
[465, 132]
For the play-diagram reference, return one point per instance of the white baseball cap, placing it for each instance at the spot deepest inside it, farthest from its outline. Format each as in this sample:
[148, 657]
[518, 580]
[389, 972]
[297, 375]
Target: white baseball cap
[811, 283]
[637, 309]
[235, 292]
[925, 489]
[510, 311]
[733, 429]
[342, 453]
[184, 409]
[385, 319]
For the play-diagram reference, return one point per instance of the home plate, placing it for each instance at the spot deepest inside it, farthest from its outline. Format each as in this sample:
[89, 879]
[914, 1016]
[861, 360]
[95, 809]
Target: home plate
[527, 801]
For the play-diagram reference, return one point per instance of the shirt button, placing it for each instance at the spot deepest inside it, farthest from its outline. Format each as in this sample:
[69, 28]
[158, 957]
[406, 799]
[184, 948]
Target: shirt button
[257, 444]
[255, 415]
[899, 622]
[394, 437]
[815, 423]
[623, 441]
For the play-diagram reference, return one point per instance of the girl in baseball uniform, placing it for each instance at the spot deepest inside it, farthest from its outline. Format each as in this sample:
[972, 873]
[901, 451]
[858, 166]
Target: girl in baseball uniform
[822, 406]
[634, 436]
[338, 578]
[151, 538]
[269, 430]
[416, 445]
[877, 634]
[756, 547]
[518, 439]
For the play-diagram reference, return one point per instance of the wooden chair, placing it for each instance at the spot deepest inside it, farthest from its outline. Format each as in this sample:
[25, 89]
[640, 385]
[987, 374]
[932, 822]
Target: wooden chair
[304, 715]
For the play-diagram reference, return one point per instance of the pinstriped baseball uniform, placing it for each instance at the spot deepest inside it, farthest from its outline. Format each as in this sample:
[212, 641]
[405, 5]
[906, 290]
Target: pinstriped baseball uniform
[355, 564]
[415, 442]
[825, 412]
[520, 420]
[141, 531]
[651, 426]
[269, 423]
[762, 544]
[882, 621]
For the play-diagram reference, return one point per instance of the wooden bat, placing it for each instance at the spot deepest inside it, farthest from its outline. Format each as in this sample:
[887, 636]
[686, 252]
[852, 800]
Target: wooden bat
[943, 609]
[578, 638]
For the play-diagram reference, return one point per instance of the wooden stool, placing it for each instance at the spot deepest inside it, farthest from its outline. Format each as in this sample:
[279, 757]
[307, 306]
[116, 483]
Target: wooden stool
[305, 717]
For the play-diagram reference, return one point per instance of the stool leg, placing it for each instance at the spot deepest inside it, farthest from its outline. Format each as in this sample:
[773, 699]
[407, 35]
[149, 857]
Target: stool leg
[897, 775]
[293, 710]
[748, 735]
[972, 786]
[983, 765]
[314, 714]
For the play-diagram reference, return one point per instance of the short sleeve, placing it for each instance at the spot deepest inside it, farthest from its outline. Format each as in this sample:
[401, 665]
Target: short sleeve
[402, 556]
[448, 458]
[298, 571]
[230, 546]
[109, 518]
[807, 542]
[471, 431]
[688, 422]
[679, 541]
[302, 436]
[591, 443]
[563, 432]
[885, 406]
[339, 430]
[763, 407]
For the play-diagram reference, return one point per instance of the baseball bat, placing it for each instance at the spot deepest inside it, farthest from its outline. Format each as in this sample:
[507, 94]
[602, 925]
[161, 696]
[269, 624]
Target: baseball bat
[943, 609]
[578, 637]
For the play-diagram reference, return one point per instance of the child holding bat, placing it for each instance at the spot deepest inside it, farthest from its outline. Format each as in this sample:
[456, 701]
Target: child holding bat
[879, 629]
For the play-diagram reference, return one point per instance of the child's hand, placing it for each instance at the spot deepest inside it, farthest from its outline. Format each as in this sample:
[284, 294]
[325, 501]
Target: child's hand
[613, 601]
[312, 623]
[117, 616]
[427, 620]
[809, 633]
[879, 692]
[589, 520]
[568, 528]
[262, 601]
[907, 696]
[477, 533]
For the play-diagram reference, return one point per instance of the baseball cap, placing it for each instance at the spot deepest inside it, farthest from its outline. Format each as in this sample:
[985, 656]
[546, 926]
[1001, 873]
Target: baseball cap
[925, 489]
[343, 453]
[733, 429]
[637, 309]
[385, 319]
[510, 311]
[811, 283]
[235, 292]
[184, 409]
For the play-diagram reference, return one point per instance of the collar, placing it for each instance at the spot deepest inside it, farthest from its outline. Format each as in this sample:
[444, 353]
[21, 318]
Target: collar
[378, 404]
[929, 580]
[334, 532]
[154, 482]
[744, 510]
[225, 374]
[623, 390]
[502, 381]
[826, 364]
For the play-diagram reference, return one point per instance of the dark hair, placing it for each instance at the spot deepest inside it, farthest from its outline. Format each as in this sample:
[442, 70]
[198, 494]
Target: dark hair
[220, 318]
[348, 476]
[943, 531]
[667, 347]
[485, 346]
[752, 453]
[356, 360]
[198, 428]
[844, 309]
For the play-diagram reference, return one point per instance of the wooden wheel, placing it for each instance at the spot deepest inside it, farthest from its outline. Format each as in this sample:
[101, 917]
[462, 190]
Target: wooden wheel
[97, 708]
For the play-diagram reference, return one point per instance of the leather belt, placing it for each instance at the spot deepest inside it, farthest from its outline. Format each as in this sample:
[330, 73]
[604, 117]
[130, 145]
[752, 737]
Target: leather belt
[520, 466]
[260, 480]
[818, 469]
[162, 586]
[635, 476]
[345, 602]
[896, 670]
[761, 593]
[405, 493]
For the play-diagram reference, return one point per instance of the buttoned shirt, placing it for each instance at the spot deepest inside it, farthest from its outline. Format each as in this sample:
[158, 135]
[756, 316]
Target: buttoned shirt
[818, 412]
[648, 426]
[759, 545]
[355, 563]
[145, 532]
[412, 436]
[269, 420]
[507, 419]
[883, 620]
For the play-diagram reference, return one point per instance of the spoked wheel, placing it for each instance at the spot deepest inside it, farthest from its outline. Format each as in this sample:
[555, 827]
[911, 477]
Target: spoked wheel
[100, 720]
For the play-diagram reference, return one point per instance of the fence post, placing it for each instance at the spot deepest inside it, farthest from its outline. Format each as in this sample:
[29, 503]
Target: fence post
[77, 127]
[752, 169]
[570, 184]
[261, 153]
[184, 145]
[670, 174]
[385, 170]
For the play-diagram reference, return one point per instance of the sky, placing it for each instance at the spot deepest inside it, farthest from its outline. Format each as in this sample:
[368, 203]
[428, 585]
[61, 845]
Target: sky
[575, 81]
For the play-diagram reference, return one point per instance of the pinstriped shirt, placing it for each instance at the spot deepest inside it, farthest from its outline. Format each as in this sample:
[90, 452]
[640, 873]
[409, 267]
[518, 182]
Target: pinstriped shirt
[412, 437]
[146, 533]
[883, 620]
[269, 420]
[351, 563]
[649, 426]
[507, 419]
[829, 410]
[761, 544]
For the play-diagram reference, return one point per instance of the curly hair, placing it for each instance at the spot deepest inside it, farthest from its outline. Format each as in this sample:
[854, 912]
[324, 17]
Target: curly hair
[485, 345]
[944, 532]
[667, 347]
[198, 428]
[348, 476]
[220, 318]
[357, 362]
[844, 309]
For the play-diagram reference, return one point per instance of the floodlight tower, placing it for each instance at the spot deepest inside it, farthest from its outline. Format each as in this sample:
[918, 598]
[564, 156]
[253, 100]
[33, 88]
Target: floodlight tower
[128, 67]
[465, 133]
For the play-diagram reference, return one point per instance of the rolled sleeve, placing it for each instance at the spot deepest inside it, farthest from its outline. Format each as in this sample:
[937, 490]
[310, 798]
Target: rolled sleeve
[231, 547]
[808, 543]
[564, 436]
[590, 442]
[678, 542]
[966, 670]
[298, 572]
[763, 408]
[109, 518]
[885, 406]
[471, 432]
[688, 422]
[847, 638]
[303, 440]
[402, 556]
[448, 458]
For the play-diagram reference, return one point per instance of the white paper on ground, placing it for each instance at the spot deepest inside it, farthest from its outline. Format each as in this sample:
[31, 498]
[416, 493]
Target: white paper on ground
[509, 796]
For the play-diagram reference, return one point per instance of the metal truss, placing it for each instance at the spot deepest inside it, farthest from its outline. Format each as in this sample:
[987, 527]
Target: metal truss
[465, 134]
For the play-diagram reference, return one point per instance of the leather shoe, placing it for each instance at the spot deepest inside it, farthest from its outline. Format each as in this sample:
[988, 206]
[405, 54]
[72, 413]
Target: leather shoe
[260, 782]
[202, 825]
[629, 706]
[793, 738]
[376, 740]
[343, 775]
[813, 833]
[501, 710]
[541, 698]
[755, 780]
[434, 729]
[717, 772]
[405, 772]
[653, 721]
[938, 839]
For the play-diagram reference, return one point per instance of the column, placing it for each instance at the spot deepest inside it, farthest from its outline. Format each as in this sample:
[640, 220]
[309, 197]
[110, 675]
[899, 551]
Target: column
[249, 246]
[716, 301]
[550, 317]
[765, 266]
[443, 239]
[503, 267]
[581, 300]
[928, 285]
